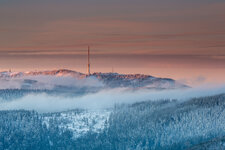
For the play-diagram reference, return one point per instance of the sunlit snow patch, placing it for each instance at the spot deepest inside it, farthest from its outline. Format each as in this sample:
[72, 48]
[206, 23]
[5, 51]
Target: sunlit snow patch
[79, 122]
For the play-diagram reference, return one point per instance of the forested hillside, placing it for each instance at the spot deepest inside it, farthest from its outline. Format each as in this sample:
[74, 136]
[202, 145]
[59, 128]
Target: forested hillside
[165, 124]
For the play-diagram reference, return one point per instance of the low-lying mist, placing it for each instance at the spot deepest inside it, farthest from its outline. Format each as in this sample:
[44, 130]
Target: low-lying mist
[105, 98]
[47, 82]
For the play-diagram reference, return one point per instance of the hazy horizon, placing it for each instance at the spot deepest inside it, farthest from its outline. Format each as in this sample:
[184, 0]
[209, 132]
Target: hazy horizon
[205, 70]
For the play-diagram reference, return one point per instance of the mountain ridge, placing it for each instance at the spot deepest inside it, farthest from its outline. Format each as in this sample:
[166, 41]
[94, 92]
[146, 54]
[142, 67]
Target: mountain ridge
[112, 80]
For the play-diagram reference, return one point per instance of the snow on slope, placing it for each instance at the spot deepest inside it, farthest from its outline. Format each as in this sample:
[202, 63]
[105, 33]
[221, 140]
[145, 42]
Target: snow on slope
[137, 81]
[79, 121]
[107, 80]
[58, 73]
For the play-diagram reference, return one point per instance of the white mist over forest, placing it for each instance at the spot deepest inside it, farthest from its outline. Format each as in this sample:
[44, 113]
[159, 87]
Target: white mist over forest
[48, 82]
[105, 98]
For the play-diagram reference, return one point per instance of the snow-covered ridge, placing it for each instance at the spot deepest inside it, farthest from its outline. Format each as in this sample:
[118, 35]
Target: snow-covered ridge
[71, 73]
[122, 76]
[137, 81]
[60, 72]
[111, 80]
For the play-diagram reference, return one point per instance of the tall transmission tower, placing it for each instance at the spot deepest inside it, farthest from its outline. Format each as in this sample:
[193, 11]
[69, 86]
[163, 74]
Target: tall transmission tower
[88, 65]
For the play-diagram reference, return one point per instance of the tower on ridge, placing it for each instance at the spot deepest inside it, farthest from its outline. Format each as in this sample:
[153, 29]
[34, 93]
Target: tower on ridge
[88, 65]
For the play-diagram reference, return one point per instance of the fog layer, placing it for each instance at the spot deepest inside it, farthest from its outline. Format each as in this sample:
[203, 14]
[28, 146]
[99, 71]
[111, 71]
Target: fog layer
[105, 98]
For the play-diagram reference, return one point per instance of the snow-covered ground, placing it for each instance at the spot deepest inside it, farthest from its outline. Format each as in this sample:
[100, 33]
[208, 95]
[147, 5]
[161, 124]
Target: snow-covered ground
[79, 122]
[68, 78]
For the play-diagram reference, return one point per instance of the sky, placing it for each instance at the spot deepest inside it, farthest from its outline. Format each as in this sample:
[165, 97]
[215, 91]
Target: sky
[180, 39]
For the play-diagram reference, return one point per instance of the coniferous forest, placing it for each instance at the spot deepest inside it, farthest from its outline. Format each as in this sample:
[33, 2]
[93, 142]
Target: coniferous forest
[163, 124]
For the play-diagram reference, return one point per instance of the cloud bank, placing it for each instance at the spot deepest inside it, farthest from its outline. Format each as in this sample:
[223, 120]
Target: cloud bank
[47, 82]
[104, 99]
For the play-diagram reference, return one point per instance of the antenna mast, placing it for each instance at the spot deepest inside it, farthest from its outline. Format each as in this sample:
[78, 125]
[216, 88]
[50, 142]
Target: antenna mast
[88, 67]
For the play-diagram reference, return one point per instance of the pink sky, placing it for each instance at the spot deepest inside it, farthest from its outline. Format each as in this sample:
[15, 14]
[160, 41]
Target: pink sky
[181, 39]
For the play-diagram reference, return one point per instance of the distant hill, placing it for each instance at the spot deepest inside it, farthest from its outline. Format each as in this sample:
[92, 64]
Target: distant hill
[34, 79]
